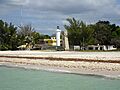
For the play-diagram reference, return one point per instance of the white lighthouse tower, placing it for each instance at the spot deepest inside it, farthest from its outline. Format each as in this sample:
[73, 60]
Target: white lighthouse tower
[58, 31]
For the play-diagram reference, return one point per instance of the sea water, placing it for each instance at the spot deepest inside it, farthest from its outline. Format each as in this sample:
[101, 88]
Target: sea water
[25, 79]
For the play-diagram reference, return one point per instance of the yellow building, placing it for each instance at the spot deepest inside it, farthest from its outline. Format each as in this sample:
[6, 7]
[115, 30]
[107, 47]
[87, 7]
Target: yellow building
[50, 42]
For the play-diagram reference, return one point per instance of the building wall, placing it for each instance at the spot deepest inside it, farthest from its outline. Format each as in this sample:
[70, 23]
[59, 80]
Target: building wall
[100, 47]
[50, 42]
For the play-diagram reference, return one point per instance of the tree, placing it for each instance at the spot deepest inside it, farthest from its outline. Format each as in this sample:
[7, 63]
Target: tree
[28, 35]
[8, 36]
[74, 31]
[26, 30]
[116, 37]
[103, 32]
[78, 32]
[46, 37]
[25, 34]
[36, 37]
[116, 41]
[86, 35]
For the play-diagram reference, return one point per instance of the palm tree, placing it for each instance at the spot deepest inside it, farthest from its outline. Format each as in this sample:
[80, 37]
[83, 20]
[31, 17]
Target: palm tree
[78, 32]
[74, 31]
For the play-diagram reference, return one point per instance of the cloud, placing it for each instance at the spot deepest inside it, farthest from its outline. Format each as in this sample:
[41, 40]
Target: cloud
[70, 6]
[65, 7]
[15, 2]
[49, 13]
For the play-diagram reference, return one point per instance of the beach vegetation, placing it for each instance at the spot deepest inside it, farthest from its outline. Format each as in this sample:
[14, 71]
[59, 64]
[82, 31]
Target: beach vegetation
[78, 32]
[11, 37]
[8, 36]
[102, 32]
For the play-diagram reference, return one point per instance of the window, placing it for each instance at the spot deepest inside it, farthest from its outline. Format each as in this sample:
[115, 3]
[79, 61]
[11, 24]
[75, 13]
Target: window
[101, 48]
[90, 48]
[96, 48]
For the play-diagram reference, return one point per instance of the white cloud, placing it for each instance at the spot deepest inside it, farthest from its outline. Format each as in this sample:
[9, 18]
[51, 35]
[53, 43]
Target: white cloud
[16, 2]
[54, 12]
[70, 6]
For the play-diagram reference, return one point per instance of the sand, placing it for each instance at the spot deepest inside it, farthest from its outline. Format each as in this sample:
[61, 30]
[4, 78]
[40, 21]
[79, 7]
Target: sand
[69, 66]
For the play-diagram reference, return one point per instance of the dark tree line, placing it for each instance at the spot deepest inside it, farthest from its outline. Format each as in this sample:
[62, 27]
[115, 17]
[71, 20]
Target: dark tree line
[102, 32]
[11, 36]
[8, 37]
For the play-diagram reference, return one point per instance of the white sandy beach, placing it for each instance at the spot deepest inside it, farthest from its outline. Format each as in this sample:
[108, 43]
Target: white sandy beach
[79, 67]
[65, 54]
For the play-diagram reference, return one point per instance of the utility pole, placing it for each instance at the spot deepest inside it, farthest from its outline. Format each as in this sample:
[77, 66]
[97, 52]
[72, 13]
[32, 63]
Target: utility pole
[83, 43]
[21, 13]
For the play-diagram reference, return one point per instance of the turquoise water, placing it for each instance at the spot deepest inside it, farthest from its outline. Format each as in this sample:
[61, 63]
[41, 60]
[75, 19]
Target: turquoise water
[21, 79]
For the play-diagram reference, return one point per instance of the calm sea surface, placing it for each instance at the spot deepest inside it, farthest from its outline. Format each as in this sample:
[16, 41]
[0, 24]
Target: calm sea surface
[21, 79]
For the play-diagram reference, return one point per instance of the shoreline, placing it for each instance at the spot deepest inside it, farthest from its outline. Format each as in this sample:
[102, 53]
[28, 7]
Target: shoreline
[75, 65]
[60, 71]
[84, 68]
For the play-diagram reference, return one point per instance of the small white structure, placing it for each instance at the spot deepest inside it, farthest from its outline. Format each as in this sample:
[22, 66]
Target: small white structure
[65, 42]
[58, 31]
[111, 47]
[76, 48]
[100, 47]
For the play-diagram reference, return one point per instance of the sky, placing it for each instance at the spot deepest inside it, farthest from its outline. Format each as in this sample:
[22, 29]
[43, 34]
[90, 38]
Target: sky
[46, 15]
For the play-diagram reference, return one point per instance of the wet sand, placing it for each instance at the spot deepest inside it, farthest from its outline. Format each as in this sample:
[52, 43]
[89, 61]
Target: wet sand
[70, 62]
